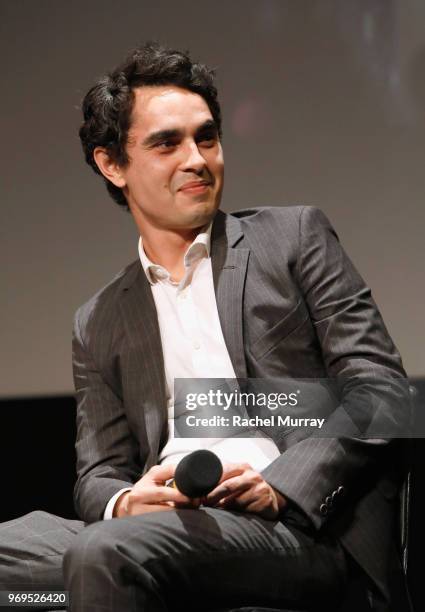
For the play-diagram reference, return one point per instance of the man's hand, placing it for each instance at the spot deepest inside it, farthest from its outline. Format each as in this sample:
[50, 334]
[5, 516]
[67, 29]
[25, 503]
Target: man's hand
[242, 488]
[150, 494]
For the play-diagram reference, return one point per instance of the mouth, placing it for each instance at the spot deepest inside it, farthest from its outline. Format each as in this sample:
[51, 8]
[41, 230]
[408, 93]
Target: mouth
[195, 187]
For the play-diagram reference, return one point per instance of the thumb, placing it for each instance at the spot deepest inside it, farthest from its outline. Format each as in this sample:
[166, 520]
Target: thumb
[161, 473]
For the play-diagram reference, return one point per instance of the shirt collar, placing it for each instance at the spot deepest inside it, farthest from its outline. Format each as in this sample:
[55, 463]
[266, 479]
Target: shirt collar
[200, 248]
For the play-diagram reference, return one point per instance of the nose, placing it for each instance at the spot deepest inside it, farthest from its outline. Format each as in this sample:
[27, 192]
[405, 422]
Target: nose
[193, 161]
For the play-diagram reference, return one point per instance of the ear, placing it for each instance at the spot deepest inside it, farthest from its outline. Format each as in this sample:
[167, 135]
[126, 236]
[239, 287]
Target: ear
[108, 167]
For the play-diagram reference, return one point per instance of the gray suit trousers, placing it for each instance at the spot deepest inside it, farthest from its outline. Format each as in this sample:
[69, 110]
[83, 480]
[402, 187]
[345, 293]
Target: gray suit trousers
[162, 561]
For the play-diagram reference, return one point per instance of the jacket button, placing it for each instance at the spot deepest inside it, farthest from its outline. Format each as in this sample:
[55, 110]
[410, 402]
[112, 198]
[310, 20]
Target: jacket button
[334, 495]
[340, 490]
[329, 501]
[323, 509]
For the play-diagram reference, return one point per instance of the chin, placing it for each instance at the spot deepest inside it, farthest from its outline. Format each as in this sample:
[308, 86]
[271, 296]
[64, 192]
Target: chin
[201, 216]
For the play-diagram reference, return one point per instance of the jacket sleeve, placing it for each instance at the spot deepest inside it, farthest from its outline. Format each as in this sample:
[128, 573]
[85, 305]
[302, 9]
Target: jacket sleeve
[107, 453]
[316, 473]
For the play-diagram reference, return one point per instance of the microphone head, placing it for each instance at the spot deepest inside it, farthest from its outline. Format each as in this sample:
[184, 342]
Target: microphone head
[198, 473]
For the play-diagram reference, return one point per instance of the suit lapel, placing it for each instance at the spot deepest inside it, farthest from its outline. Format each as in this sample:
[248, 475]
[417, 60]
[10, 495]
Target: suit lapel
[145, 376]
[229, 266]
[145, 369]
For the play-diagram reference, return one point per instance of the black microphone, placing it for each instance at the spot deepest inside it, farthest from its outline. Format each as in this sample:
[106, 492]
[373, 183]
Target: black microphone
[198, 473]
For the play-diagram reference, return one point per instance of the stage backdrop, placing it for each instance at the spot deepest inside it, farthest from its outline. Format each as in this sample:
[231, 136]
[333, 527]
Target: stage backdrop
[323, 104]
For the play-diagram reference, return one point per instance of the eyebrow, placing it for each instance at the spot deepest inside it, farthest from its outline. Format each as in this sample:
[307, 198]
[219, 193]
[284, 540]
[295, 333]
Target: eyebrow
[161, 135]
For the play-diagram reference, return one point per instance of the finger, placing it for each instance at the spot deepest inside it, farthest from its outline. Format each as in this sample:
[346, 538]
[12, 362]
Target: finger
[172, 494]
[233, 469]
[157, 494]
[241, 500]
[241, 481]
[266, 505]
[136, 509]
[231, 487]
[192, 505]
[231, 502]
[269, 513]
[258, 492]
[161, 473]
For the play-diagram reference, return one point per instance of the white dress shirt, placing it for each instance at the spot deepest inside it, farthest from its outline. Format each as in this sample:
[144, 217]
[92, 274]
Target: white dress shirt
[193, 347]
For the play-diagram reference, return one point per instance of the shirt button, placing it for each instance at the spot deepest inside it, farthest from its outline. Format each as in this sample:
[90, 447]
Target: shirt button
[196, 345]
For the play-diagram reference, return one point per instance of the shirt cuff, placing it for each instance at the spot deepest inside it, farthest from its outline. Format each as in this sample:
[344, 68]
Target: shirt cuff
[109, 510]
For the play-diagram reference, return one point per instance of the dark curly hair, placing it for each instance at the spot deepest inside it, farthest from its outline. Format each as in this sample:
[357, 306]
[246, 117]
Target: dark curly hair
[108, 105]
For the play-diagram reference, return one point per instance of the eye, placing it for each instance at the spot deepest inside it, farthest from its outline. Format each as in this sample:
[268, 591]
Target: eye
[166, 144]
[207, 140]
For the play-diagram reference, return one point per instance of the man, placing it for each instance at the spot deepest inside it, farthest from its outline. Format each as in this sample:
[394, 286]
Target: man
[261, 293]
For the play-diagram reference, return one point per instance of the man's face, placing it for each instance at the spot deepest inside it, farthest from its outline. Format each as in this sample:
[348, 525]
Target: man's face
[174, 178]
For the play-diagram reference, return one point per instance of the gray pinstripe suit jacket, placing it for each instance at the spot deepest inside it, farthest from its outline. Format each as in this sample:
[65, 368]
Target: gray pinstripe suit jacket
[290, 304]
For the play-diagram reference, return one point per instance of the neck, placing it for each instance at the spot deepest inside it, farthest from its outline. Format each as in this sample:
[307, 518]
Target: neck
[167, 248]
